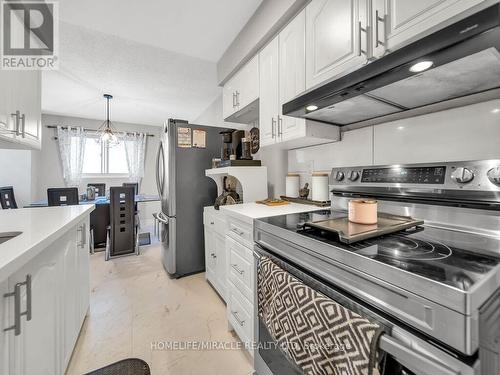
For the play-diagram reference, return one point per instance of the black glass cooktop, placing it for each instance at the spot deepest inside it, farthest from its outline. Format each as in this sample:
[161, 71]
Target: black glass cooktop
[450, 257]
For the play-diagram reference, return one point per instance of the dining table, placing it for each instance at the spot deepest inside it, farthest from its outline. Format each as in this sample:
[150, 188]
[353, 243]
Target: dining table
[100, 218]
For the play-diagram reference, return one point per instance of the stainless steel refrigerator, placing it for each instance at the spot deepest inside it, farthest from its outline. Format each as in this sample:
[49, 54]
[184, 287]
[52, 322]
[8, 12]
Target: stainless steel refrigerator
[185, 151]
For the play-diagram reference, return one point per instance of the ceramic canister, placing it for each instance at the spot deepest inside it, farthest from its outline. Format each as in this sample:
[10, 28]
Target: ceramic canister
[320, 191]
[292, 185]
[363, 211]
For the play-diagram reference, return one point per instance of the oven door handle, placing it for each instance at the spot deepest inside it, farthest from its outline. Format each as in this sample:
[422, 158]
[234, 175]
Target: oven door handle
[410, 356]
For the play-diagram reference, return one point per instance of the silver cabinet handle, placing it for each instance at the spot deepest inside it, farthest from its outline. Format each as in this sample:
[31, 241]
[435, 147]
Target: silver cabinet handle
[23, 125]
[234, 99]
[361, 30]
[213, 255]
[236, 268]
[377, 20]
[238, 232]
[17, 116]
[17, 305]
[273, 124]
[212, 223]
[82, 231]
[280, 125]
[237, 99]
[240, 322]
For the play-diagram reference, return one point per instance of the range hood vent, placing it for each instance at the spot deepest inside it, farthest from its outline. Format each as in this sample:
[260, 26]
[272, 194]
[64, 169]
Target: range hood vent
[463, 64]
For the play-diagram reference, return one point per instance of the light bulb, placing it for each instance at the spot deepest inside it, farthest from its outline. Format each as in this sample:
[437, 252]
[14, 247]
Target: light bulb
[421, 66]
[311, 107]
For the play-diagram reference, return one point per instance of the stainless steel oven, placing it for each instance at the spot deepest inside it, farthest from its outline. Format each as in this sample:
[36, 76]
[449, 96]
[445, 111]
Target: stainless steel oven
[435, 289]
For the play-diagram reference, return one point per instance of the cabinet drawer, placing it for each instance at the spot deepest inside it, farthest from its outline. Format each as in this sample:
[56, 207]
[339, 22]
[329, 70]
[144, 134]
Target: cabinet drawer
[240, 315]
[240, 268]
[240, 230]
[215, 221]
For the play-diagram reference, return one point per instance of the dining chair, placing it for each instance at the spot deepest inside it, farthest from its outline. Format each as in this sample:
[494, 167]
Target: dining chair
[100, 189]
[7, 198]
[123, 232]
[62, 196]
[134, 184]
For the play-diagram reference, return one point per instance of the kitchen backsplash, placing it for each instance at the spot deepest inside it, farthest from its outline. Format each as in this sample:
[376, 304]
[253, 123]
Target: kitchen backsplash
[466, 133]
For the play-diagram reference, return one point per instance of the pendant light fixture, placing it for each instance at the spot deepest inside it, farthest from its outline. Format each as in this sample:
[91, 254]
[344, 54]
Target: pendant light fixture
[107, 132]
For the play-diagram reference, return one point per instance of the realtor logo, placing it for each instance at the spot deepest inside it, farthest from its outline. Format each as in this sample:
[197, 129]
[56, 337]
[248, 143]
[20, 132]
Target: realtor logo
[30, 35]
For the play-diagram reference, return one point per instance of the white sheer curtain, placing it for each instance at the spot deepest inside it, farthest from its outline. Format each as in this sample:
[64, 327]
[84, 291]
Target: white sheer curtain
[135, 148]
[72, 150]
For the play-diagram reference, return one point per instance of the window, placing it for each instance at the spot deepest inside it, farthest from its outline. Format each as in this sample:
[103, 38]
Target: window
[100, 158]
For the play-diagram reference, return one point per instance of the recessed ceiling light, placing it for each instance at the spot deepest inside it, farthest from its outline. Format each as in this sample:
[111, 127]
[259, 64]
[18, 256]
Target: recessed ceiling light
[496, 110]
[421, 66]
[311, 107]
[401, 127]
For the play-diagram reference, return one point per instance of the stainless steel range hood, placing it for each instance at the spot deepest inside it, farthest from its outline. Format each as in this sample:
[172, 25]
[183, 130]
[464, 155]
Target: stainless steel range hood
[464, 59]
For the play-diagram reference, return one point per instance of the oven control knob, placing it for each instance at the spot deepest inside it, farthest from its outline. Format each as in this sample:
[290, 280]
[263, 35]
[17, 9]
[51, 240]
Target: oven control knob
[494, 175]
[339, 176]
[353, 175]
[462, 175]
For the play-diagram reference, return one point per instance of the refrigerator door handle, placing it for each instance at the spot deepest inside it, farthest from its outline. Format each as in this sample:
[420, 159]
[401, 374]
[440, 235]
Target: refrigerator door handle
[160, 176]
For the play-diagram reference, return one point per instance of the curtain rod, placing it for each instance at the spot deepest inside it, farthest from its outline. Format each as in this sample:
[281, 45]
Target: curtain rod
[95, 131]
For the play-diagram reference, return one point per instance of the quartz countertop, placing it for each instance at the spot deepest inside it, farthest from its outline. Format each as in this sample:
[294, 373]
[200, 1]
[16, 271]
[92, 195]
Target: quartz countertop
[40, 227]
[250, 211]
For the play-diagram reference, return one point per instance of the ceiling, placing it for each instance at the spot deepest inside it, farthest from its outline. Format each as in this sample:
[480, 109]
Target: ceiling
[157, 58]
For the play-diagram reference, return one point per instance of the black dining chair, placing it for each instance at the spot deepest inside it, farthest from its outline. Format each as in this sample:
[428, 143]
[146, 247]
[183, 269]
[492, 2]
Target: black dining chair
[7, 199]
[123, 232]
[134, 184]
[62, 196]
[100, 189]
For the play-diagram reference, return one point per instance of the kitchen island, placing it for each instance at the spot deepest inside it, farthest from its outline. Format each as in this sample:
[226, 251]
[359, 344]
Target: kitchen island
[45, 287]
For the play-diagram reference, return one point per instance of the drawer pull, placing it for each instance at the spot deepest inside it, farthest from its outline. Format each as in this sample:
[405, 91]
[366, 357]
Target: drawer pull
[213, 255]
[240, 322]
[235, 267]
[238, 232]
[212, 223]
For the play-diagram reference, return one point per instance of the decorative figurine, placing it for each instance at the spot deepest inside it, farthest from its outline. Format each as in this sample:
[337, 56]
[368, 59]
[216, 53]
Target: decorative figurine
[304, 192]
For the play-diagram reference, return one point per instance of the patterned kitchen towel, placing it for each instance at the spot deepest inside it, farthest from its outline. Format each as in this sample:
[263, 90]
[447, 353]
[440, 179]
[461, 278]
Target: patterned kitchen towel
[320, 336]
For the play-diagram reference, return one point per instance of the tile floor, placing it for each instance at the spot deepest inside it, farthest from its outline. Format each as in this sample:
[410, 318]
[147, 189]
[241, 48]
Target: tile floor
[134, 304]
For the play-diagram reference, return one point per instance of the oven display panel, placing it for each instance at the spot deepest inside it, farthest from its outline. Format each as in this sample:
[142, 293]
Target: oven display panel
[408, 175]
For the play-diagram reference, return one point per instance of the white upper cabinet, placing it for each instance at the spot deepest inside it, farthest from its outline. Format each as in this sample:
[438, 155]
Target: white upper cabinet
[241, 93]
[282, 77]
[20, 108]
[337, 34]
[409, 20]
[269, 93]
[292, 73]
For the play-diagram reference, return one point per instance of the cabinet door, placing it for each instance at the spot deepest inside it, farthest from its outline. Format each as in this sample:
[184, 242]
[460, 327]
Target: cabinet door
[220, 250]
[83, 261]
[292, 79]
[7, 122]
[27, 100]
[70, 294]
[37, 349]
[247, 83]
[408, 20]
[6, 319]
[336, 38]
[228, 99]
[269, 92]
[210, 254]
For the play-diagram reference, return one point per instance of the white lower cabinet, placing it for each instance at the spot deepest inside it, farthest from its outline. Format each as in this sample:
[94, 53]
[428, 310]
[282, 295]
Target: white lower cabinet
[215, 250]
[54, 293]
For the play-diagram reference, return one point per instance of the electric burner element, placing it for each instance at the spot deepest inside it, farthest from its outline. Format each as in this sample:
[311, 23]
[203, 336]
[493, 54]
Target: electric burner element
[401, 247]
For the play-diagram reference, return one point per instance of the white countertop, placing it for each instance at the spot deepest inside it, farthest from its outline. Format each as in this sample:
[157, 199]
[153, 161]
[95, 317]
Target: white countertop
[250, 211]
[40, 227]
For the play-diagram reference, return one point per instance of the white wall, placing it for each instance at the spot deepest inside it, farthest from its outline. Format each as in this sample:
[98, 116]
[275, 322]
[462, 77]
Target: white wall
[466, 133]
[47, 172]
[212, 116]
[15, 170]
